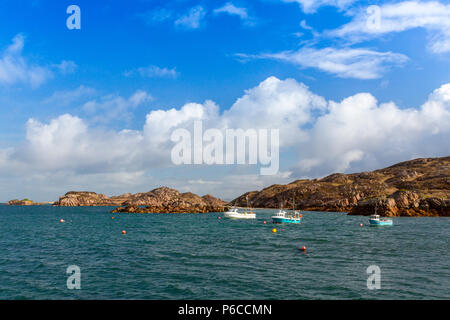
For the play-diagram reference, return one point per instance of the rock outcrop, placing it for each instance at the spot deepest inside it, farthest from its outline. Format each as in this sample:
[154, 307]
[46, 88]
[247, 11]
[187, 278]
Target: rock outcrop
[86, 199]
[403, 203]
[160, 200]
[166, 200]
[419, 187]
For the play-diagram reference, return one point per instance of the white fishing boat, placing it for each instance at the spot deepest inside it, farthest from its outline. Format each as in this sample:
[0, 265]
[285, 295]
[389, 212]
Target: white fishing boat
[234, 213]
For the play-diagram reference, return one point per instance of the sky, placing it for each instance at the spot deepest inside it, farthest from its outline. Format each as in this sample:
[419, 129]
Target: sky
[351, 85]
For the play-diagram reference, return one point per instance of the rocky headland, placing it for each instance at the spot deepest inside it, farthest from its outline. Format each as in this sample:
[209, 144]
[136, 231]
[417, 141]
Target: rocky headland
[419, 187]
[160, 200]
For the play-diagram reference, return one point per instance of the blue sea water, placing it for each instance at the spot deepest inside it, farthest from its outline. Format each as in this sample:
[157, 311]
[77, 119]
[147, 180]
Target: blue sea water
[193, 256]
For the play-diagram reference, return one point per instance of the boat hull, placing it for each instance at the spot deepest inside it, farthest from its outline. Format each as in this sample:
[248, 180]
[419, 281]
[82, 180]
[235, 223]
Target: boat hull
[376, 223]
[234, 215]
[285, 220]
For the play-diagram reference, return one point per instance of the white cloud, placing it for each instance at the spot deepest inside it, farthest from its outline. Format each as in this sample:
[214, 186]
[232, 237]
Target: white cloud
[344, 63]
[66, 67]
[433, 16]
[15, 69]
[68, 97]
[193, 19]
[241, 12]
[231, 9]
[153, 72]
[114, 107]
[355, 134]
[274, 104]
[358, 133]
[311, 6]
[305, 26]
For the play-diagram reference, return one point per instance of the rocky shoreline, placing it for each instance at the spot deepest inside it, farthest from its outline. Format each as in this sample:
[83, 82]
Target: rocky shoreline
[419, 187]
[160, 200]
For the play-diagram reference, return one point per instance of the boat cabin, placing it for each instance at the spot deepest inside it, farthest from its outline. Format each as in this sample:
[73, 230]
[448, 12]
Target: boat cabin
[281, 213]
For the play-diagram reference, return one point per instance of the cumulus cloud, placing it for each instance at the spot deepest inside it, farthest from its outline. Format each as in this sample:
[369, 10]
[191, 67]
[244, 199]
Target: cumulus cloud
[357, 133]
[432, 16]
[344, 63]
[274, 104]
[193, 19]
[311, 6]
[69, 144]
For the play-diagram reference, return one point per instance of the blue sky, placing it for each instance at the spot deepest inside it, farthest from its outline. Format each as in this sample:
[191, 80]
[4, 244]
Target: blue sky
[136, 57]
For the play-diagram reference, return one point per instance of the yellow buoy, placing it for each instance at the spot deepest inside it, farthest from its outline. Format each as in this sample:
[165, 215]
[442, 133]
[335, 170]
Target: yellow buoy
[274, 230]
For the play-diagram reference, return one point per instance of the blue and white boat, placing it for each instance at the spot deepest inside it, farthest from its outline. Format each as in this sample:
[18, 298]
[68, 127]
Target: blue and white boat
[376, 220]
[284, 217]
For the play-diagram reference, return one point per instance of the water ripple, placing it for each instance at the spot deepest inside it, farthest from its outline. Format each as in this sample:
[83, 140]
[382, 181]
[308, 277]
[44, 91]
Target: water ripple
[201, 257]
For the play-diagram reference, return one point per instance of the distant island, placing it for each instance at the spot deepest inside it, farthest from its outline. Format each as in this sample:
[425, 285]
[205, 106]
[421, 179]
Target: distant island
[27, 202]
[419, 187]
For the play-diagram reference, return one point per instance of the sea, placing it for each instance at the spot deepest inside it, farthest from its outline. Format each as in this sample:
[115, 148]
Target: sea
[204, 256]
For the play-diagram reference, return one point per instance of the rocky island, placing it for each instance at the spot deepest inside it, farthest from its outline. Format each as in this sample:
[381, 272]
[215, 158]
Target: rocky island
[90, 199]
[160, 200]
[26, 202]
[419, 187]
[166, 200]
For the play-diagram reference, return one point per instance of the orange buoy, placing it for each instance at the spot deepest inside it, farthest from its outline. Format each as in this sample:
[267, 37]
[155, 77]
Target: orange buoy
[360, 224]
[274, 230]
[219, 218]
[62, 220]
[124, 232]
[112, 217]
[303, 248]
[265, 222]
